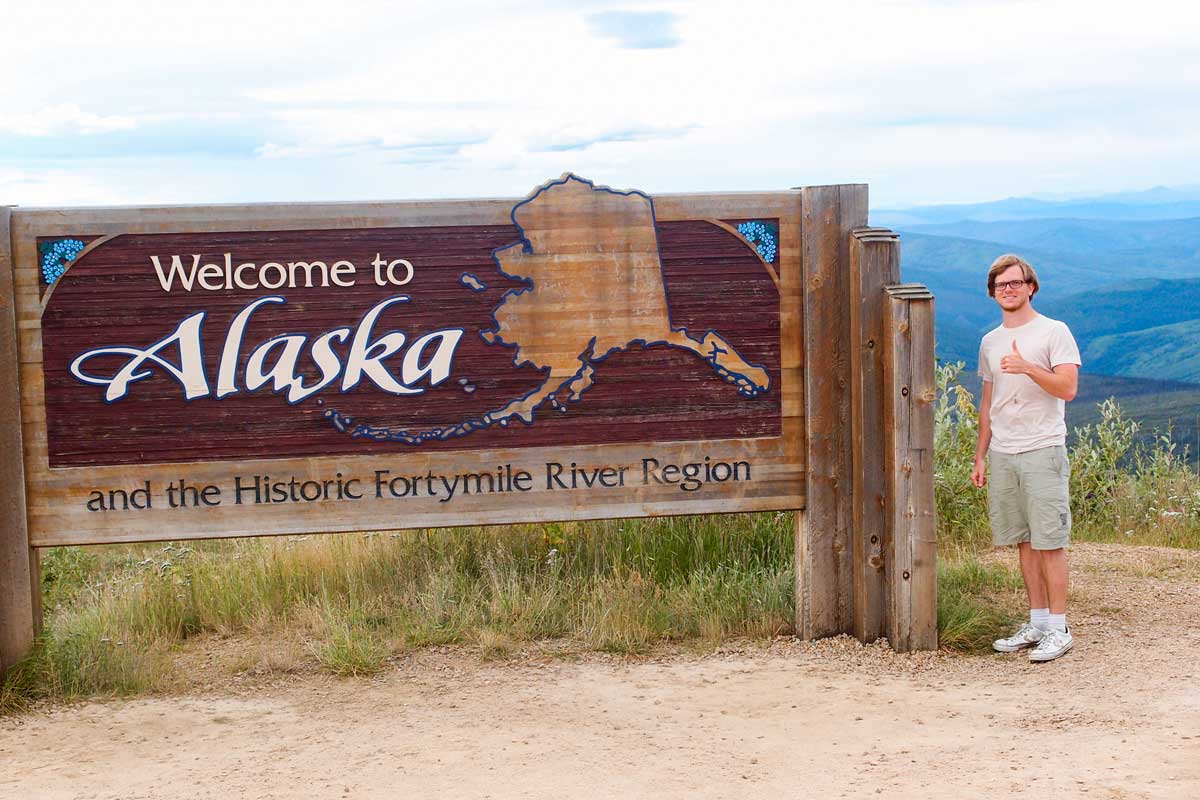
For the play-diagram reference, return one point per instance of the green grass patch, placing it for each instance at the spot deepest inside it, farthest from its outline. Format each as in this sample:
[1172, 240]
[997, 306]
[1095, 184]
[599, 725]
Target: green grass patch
[977, 602]
[115, 613]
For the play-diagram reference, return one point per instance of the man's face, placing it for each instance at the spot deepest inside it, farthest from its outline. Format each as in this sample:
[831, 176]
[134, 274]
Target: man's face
[1012, 298]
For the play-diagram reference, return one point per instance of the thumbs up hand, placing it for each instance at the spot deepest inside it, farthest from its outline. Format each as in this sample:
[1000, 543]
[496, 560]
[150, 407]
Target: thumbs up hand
[1015, 363]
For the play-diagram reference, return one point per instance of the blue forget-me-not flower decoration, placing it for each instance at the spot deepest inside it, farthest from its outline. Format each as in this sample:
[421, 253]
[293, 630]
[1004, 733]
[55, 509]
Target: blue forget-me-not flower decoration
[55, 254]
[764, 236]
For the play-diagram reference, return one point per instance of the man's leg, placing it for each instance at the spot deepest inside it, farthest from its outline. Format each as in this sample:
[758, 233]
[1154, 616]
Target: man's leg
[1010, 525]
[1050, 532]
[1032, 572]
[1030, 633]
[1055, 572]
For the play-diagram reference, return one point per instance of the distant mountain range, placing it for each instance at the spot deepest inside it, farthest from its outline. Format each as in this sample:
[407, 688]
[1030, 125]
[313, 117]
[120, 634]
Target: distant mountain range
[1160, 203]
[1129, 286]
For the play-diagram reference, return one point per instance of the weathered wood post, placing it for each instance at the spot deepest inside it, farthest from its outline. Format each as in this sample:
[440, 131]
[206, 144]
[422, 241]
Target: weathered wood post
[874, 264]
[908, 447]
[824, 528]
[20, 599]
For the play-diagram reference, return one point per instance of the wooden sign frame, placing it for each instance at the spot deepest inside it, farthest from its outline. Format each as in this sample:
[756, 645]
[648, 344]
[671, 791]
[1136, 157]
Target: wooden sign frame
[846, 350]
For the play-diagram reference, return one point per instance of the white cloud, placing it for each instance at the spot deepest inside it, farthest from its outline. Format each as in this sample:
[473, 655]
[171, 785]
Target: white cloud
[64, 119]
[924, 100]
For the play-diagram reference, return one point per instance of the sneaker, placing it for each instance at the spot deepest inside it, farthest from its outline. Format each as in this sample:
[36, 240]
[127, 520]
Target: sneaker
[1026, 636]
[1052, 645]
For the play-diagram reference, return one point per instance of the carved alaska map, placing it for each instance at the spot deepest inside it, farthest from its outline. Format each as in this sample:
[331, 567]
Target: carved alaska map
[593, 286]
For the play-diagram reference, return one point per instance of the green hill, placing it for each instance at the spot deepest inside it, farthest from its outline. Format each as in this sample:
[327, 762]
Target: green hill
[1166, 352]
[1127, 307]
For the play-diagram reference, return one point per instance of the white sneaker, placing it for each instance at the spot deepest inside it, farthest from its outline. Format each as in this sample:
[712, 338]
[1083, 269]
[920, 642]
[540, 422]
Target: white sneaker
[1052, 645]
[1026, 636]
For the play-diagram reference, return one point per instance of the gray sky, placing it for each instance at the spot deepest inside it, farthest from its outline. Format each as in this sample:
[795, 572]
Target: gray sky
[934, 101]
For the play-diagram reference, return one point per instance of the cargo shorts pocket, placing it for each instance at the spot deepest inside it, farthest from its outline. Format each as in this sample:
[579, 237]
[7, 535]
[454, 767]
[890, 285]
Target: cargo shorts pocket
[1049, 498]
[1006, 506]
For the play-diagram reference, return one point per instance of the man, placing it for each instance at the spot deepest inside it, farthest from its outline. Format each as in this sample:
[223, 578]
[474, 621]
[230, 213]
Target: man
[1030, 368]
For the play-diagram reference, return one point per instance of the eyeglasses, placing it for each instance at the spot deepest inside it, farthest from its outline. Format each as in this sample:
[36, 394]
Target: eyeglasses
[1000, 287]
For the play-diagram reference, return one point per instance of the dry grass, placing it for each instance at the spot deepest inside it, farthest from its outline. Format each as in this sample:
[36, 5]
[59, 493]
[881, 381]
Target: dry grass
[119, 616]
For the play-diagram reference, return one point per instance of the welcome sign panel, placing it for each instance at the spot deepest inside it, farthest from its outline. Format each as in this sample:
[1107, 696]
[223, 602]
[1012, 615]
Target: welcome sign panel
[582, 352]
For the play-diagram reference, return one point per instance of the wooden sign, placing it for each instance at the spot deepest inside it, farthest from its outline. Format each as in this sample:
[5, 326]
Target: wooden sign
[583, 352]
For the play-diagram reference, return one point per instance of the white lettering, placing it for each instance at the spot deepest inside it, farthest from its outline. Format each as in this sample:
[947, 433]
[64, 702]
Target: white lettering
[237, 275]
[227, 371]
[366, 356]
[339, 268]
[308, 267]
[276, 362]
[262, 275]
[189, 371]
[437, 369]
[271, 275]
[214, 273]
[391, 274]
[185, 278]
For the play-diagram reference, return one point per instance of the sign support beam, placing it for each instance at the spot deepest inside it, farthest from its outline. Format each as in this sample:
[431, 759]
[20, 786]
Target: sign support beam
[911, 392]
[824, 529]
[874, 263]
[20, 598]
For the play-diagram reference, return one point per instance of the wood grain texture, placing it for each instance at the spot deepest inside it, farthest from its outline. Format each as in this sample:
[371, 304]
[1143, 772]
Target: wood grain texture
[923, 540]
[20, 613]
[222, 449]
[909, 368]
[824, 548]
[874, 264]
[639, 393]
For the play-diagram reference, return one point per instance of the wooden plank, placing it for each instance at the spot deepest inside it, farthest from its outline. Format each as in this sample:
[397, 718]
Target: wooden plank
[402, 213]
[713, 428]
[923, 543]
[695, 261]
[910, 380]
[59, 514]
[898, 377]
[20, 615]
[874, 263]
[824, 590]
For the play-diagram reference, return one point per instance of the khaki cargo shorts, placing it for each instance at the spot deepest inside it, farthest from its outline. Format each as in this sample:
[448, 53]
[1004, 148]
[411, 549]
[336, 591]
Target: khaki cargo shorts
[1029, 497]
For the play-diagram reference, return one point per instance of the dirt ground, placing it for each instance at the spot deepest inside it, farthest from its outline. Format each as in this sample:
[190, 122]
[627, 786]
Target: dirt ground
[1117, 718]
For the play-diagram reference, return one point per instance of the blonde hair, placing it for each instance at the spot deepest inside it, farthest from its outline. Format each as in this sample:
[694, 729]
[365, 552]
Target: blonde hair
[1004, 262]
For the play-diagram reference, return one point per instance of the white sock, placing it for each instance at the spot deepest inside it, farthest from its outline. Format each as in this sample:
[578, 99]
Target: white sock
[1040, 618]
[1057, 622]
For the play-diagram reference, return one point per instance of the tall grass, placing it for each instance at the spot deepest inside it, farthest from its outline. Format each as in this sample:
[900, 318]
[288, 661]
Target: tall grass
[116, 613]
[976, 600]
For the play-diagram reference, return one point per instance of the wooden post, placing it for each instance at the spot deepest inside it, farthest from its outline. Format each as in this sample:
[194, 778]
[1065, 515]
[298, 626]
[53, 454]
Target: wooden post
[874, 264]
[20, 598]
[908, 423]
[824, 549]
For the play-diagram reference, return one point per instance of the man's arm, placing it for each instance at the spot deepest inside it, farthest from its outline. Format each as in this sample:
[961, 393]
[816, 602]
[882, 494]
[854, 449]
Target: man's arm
[979, 473]
[1061, 382]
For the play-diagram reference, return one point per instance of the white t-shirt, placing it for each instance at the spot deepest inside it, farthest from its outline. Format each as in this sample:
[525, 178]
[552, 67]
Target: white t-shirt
[1024, 415]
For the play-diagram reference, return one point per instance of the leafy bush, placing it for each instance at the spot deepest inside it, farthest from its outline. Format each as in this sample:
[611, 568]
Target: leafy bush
[1124, 486]
[961, 508]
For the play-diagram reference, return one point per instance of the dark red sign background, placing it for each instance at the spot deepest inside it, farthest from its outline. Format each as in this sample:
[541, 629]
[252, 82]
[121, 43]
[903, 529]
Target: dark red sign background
[112, 297]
